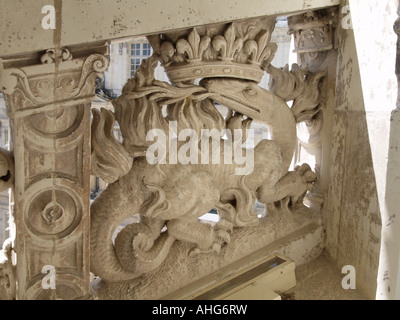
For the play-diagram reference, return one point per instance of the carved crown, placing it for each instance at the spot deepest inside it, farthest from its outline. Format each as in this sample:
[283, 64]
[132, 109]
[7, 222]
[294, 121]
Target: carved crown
[239, 50]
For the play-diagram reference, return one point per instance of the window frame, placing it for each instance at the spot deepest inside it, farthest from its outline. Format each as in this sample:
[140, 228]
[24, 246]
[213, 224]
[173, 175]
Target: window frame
[138, 52]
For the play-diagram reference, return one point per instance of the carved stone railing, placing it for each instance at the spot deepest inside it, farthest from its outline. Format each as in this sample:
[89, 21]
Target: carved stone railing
[175, 190]
[162, 171]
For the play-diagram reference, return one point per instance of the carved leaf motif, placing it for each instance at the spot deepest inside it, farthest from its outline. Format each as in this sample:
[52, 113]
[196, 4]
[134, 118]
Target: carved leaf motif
[233, 44]
[220, 45]
[261, 50]
[227, 45]
[110, 160]
[183, 47]
[204, 44]
[230, 39]
[194, 41]
[54, 55]
[251, 48]
[265, 49]
[263, 40]
[194, 47]
[269, 55]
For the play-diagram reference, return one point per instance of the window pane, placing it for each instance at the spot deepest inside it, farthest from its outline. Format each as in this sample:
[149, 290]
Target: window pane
[135, 49]
[135, 64]
[146, 49]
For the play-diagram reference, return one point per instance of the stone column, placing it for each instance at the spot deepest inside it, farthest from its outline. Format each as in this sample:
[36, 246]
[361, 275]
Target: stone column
[314, 43]
[48, 100]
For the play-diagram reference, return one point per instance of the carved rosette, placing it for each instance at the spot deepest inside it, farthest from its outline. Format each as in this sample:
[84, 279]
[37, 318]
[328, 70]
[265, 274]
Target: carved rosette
[49, 106]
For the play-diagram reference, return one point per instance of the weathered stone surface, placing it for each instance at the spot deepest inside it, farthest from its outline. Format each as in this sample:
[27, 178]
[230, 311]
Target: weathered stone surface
[90, 21]
[172, 195]
[48, 94]
[49, 107]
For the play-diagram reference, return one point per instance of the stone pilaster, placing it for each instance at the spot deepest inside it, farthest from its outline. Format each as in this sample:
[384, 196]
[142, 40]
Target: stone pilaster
[314, 43]
[48, 99]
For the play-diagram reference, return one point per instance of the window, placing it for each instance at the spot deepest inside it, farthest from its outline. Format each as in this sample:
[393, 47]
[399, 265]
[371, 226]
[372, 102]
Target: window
[146, 49]
[135, 64]
[139, 51]
[135, 49]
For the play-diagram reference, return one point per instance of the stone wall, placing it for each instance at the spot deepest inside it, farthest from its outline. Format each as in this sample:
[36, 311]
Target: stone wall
[357, 207]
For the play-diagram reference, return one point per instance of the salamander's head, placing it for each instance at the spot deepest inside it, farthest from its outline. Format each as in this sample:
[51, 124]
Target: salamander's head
[243, 96]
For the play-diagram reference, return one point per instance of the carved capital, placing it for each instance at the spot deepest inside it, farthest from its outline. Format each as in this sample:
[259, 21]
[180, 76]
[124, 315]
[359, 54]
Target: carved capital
[313, 34]
[54, 78]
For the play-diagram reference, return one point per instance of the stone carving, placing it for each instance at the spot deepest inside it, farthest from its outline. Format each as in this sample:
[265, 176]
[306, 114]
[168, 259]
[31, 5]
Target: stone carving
[237, 51]
[7, 273]
[300, 86]
[314, 36]
[53, 55]
[7, 173]
[49, 109]
[26, 91]
[171, 197]
[314, 40]
[114, 163]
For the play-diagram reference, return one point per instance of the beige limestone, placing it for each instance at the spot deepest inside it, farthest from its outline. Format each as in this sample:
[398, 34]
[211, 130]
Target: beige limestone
[297, 235]
[358, 208]
[359, 116]
[49, 107]
[169, 202]
[90, 20]
[47, 103]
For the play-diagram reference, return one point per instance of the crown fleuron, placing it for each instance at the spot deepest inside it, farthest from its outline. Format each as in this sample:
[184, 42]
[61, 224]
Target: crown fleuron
[237, 50]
